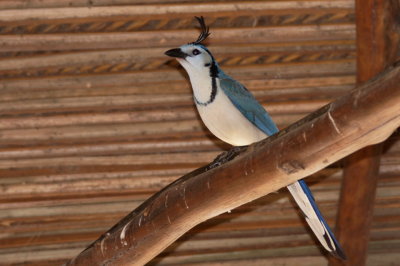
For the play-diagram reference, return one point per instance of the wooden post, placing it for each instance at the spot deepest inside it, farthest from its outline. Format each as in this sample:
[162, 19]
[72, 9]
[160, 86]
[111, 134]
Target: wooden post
[377, 46]
[364, 116]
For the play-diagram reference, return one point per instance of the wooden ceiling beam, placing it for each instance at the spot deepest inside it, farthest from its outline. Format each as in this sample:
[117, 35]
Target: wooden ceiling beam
[377, 47]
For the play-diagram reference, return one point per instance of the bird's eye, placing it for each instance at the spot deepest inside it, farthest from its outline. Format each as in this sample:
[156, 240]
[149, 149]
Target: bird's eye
[195, 52]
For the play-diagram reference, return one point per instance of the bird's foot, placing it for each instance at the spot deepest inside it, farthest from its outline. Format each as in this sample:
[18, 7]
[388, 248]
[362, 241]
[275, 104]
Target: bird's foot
[226, 156]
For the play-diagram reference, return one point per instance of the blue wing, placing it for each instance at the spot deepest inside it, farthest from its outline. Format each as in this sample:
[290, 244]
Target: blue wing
[245, 102]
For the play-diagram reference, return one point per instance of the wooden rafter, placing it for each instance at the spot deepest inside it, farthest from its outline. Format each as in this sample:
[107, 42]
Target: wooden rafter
[365, 116]
[377, 47]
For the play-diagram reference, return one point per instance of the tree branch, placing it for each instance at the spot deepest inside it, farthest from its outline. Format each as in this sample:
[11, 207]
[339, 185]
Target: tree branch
[365, 116]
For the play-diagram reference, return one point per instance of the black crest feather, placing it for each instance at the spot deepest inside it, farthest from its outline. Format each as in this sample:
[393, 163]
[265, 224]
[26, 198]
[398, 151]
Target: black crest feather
[204, 31]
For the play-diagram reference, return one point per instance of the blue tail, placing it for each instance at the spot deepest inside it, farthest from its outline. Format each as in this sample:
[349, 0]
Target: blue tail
[304, 198]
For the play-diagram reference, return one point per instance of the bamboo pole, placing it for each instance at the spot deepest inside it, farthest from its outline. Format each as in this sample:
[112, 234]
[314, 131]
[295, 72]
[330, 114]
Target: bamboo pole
[365, 116]
[124, 40]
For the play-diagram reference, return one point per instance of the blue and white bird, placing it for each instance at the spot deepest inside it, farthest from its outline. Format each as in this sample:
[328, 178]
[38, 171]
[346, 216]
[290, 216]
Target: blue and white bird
[233, 115]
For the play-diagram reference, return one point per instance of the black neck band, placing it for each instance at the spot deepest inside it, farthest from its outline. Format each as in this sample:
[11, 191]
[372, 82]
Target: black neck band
[212, 95]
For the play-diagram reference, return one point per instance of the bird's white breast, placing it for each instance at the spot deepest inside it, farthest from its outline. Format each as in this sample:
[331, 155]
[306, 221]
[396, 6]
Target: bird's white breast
[227, 123]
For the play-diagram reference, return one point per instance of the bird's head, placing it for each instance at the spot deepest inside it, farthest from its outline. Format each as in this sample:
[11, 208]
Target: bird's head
[194, 56]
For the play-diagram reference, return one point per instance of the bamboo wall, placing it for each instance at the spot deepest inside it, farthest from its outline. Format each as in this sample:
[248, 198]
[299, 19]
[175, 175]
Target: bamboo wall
[94, 119]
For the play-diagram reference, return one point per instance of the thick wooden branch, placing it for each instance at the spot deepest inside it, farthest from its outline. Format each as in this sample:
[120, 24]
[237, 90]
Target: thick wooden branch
[365, 116]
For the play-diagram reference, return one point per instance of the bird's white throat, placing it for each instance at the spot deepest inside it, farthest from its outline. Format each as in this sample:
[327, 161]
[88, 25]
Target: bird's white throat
[200, 80]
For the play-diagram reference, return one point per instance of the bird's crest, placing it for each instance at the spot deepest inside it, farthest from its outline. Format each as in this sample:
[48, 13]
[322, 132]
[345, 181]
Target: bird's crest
[204, 31]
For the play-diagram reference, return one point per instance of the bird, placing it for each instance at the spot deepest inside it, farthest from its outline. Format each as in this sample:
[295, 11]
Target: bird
[231, 112]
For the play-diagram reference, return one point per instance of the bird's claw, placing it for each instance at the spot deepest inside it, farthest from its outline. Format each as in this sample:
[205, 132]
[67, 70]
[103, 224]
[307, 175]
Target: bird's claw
[226, 156]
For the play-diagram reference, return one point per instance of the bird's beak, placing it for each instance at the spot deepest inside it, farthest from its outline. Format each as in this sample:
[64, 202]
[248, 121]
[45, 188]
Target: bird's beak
[176, 52]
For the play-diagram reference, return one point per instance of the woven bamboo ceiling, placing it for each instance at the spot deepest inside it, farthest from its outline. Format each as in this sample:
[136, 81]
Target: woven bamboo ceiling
[94, 119]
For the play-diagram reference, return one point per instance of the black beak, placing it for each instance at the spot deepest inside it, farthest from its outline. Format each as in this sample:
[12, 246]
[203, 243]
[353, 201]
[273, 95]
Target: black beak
[177, 52]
